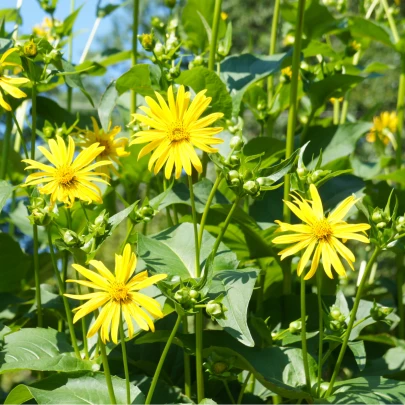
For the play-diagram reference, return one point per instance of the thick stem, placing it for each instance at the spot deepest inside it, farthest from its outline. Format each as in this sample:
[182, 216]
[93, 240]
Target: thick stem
[391, 21]
[107, 374]
[6, 146]
[125, 360]
[214, 37]
[351, 321]
[320, 314]
[34, 120]
[62, 293]
[196, 241]
[21, 137]
[207, 207]
[304, 334]
[36, 275]
[400, 294]
[70, 57]
[198, 354]
[292, 113]
[336, 111]
[187, 365]
[162, 360]
[400, 112]
[135, 23]
[272, 50]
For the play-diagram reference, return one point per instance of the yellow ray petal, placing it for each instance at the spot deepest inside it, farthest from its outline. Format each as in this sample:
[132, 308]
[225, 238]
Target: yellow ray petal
[315, 262]
[296, 248]
[149, 281]
[326, 260]
[306, 256]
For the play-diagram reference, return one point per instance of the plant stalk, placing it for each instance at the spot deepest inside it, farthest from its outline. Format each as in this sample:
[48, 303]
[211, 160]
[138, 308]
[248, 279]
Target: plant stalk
[352, 320]
[304, 334]
[161, 361]
[187, 365]
[6, 146]
[70, 57]
[214, 36]
[320, 314]
[36, 276]
[272, 50]
[125, 360]
[135, 23]
[107, 373]
[198, 354]
[196, 240]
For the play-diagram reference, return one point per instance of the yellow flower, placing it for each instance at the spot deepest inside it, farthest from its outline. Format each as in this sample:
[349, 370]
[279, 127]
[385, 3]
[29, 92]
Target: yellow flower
[118, 295]
[7, 84]
[114, 148]
[224, 16]
[287, 72]
[320, 234]
[45, 29]
[175, 130]
[68, 178]
[385, 126]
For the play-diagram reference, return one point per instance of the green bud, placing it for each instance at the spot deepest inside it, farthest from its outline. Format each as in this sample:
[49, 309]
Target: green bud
[379, 313]
[261, 105]
[335, 312]
[219, 367]
[295, 327]
[159, 49]
[174, 72]
[338, 69]
[71, 238]
[335, 326]
[48, 132]
[216, 310]
[182, 296]
[317, 175]
[198, 60]
[88, 246]
[302, 172]
[194, 294]
[30, 49]
[378, 215]
[100, 225]
[248, 175]
[234, 161]
[147, 41]
[236, 143]
[40, 216]
[264, 181]
[252, 187]
[157, 23]
[233, 178]
[381, 225]
[37, 202]
[401, 220]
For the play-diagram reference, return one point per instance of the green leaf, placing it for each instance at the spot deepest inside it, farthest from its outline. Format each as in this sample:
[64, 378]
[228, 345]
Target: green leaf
[143, 79]
[241, 71]
[6, 191]
[236, 286]
[397, 176]
[393, 362]
[84, 388]
[14, 264]
[51, 111]
[367, 390]
[359, 352]
[107, 105]
[10, 14]
[200, 78]
[40, 349]
[172, 251]
[333, 86]
[69, 22]
[272, 148]
[364, 28]
[180, 194]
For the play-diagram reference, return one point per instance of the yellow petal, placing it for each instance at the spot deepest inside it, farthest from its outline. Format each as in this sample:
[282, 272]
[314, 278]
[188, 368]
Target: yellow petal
[315, 262]
[305, 257]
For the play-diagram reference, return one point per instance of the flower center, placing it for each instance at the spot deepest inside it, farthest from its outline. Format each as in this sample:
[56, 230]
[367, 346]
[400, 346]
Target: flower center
[322, 229]
[119, 291]
[65, 176]
[177, 132]
[107, 146]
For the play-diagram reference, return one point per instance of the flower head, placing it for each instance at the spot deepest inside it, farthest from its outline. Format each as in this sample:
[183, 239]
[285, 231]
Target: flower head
[46, 29]
[114, 148]
[176, 128]
[385, 126]
[118, 296]
[319, 235]
[68, 178]
[8, 84]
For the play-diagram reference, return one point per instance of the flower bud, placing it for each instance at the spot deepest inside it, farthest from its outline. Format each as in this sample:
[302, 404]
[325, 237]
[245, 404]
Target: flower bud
[335, 326]
[379, 313]
[377, 215]
[302, 173]
[157, 23]
[264, 181]
[100, 225]
[400, 224]
[216, 310]
[234, 161]
[233, 178]
[30, 49]
[317, 175]
[381, 225]
[236, 143]
[159, 49]
[335, 312]
[194, 294]
[182, 296]
[40, 216]
[261, 105]
[48, 132]
[219, 367]
[174, 72]
[37, 202]
[198, 60]
[252, 187]
[89, 245]
[71, 238]
[295, 327]
[147, 41]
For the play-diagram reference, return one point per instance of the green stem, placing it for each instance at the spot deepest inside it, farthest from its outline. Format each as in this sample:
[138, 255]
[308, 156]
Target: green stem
[228, 391]
[34, 120]
[70, 57]
[272, 50]
[125, 360]
[36, 275]
[400, 112]
[162, 360]
[196, 241]
[304, 334]
[304, 132]
[21, 135]
[62, 293]
[320, 314]
[292, 113]
[243, 388]
[135, 23]
[198, 355]
[207, 207]
[187, 365]
[336, 111]
[214, 37]
[345, 108]
[6, 146]
[400, 294]
[107, 374]
[391, 20]
[130, 229]
[352, 320]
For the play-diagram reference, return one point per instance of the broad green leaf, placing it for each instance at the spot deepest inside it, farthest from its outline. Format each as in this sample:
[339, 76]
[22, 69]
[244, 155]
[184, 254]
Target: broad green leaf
[359, 353]
[10, 14]
[51, 111]
[236, 286]
[143, 79]
[14, 264]
[172, 251]
[84, 388]
[397, 176]
[6, 191]
[180, 194]
[367, 390]
[200, 78]
[107, 104]
[272, 148]
[392, 362]
[40, 349]
[15, 167]
[241, 71]
[361, 27]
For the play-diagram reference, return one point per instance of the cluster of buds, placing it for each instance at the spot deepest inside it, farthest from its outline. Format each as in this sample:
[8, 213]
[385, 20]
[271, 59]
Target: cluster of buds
[216, 309]
[196, 62]
[380, 313]
[143, 214]
[312, 177]
[51, 131]
[100, 225]
[41, 213]
[337, 321]
[187, 297]
[220, 368]
[71, 238]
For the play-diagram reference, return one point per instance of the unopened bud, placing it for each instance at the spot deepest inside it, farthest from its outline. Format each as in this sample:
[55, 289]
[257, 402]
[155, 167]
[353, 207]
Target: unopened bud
[335, 326]
[302, 172]
[377, 215]
[252, 187]
[159, 49]
[219, 367]
[379, 313]
[30, 49]
[335, 312]
[71, 238]
[295, 327]
[215, 309]
[381, 225]
[236, 143]
[147, 41]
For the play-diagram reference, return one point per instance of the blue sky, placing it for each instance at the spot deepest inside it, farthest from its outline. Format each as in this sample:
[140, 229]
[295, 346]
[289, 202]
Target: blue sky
[33, 14]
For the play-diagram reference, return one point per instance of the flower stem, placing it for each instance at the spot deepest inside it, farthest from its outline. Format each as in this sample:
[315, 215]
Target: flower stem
[243, 388]
[70, 57]
[400, 112]
[194, 214]
[6, 146]
[62, 293]
[304, 334]
[214, 37]
[391, 21]
[320, 314]
[352, 319]
[207, 207]
[162, 360]
[228, 391]
[272, 50]
[198, 354]
[125, 360]
[20, 134]
[187, 365]
[36, 275]
[336, 111]
[34, 120]
[107, 373]
[135, 23]
[130, 229]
